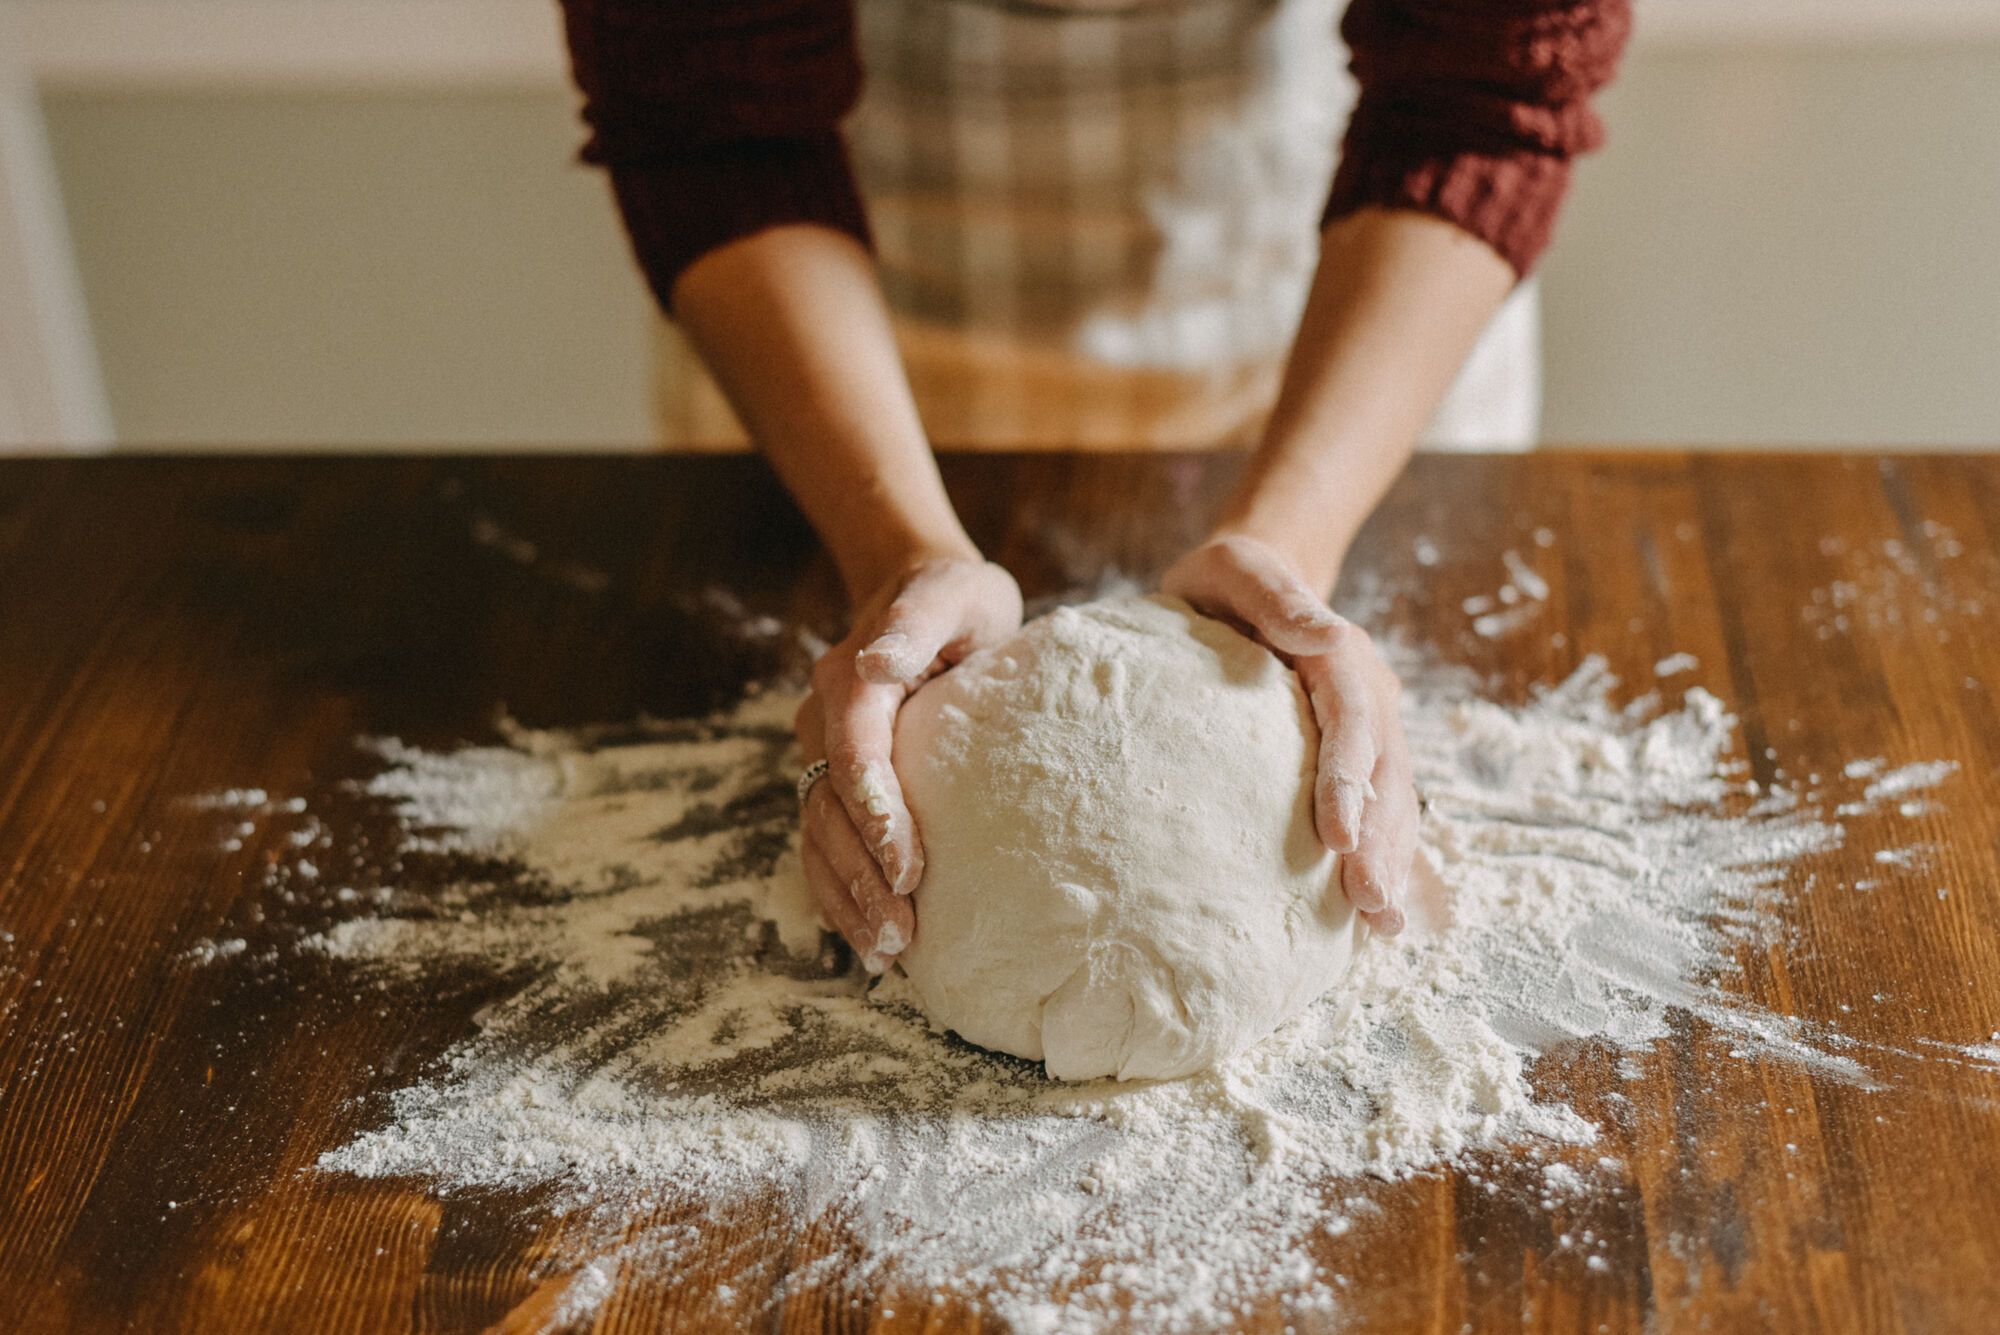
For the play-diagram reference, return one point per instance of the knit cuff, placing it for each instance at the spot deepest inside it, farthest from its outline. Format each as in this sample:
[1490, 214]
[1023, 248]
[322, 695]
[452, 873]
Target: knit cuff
[678, 209]
[1509, 201]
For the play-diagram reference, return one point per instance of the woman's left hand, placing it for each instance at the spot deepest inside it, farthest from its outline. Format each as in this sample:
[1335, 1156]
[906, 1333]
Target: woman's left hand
[1364, 804]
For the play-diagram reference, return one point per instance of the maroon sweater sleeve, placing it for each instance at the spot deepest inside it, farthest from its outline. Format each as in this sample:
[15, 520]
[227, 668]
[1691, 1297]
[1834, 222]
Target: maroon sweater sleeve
[717, 118]
[1472, 109]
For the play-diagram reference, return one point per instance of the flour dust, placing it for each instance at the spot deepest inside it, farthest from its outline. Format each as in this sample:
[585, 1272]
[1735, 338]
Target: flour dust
[675, 1046]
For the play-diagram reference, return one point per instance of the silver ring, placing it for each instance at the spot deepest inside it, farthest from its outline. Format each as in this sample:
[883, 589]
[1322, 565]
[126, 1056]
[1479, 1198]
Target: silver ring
[813, 774]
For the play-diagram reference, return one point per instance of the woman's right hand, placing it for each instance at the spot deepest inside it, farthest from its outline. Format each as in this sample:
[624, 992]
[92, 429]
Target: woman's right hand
[862, 854]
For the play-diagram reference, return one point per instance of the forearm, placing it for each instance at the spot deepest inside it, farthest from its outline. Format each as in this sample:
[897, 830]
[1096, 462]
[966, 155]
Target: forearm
[792, 323]
[1396, 305]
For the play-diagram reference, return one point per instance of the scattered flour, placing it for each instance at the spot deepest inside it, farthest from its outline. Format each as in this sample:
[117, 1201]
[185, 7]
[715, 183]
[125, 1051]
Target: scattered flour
[684, 1036]
[490, 533]
[211, 952]
[1910, 779]
[1516, 603]
[677, 1043]
[1897, 784]
[1895, 586]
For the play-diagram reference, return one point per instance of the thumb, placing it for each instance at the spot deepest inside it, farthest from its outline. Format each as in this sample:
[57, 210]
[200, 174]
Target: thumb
[905, 647]
[1245, 579]
[940, 612]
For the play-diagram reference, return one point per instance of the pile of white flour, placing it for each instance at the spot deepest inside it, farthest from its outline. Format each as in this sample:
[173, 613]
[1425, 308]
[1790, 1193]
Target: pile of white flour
[681, 1046]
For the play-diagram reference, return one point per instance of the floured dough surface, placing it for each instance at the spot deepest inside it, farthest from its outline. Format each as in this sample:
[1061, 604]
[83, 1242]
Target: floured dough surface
[1122, 875]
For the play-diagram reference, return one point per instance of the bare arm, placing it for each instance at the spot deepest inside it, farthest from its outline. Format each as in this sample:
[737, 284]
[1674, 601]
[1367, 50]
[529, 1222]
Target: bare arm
[1453, 167]
[1398, 301]
[792, 322]
[720, 125]
[1396, 306]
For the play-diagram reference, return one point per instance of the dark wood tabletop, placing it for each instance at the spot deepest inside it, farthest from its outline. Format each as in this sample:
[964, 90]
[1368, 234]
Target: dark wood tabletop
[172, 627]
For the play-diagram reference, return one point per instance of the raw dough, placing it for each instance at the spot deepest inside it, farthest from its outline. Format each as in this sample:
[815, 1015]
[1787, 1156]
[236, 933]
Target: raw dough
[1121, 872]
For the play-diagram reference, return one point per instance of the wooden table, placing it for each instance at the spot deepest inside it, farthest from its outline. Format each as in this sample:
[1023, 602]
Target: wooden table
[171, 627]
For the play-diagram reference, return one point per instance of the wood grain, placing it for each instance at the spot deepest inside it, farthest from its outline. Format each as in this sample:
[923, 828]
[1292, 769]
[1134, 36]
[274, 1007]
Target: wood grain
[169, 628]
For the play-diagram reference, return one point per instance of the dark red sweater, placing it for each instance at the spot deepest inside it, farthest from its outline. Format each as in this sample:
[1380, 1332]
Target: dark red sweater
[718, 119]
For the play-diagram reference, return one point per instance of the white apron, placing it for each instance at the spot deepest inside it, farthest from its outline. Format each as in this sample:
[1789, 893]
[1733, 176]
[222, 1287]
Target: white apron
[1097, 221]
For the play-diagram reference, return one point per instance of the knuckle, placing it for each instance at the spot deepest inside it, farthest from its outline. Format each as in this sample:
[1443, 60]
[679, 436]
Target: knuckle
[896, 618]
[1348, 639]
[1235, 547]
[846, 762]
[823, 810]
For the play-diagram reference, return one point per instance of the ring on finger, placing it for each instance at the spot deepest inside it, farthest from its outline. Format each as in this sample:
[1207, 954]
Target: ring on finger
[812, 774]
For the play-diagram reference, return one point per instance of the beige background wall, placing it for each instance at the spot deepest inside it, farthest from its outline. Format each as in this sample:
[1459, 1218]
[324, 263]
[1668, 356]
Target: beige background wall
[1785, 248]
[1780, 247]
[376, 270]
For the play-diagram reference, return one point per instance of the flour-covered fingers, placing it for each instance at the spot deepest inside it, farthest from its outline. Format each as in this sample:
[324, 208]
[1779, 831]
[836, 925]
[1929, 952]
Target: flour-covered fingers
[1245, 581]
[1376, 875]
[860, 736]
[838, 909]
[947, 609]
[888, 915]
[914, 631]
[1345, 708]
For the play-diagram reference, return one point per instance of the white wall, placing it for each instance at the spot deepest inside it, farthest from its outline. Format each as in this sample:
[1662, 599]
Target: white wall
[1784, 247]
[378, 270]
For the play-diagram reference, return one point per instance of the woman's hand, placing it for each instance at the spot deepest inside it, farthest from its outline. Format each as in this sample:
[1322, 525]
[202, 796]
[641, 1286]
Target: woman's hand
[862, 855]
[1364, 804]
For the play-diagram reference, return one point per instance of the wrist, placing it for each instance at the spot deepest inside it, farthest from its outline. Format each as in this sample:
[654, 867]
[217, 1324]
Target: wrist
[886, 560]
[1301, 533]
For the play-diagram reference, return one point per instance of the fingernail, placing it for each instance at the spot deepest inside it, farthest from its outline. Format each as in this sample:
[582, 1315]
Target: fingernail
[1347, 801]
[889, 940]
[875, 964]
[899, 868]
[1390, 921]
[1367, 897]
[888, 652]
[891, 858]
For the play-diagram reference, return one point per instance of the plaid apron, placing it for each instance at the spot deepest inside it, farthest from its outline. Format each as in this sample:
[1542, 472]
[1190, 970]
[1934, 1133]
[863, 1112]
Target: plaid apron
[1096, 223]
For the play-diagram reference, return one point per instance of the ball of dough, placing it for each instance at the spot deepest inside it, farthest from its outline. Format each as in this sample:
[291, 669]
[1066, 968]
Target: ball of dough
[1122, 877]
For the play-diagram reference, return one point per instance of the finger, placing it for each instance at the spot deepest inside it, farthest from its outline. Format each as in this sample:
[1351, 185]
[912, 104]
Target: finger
[1349, 750]
[888, 915]
[1377, 875]
[859, 739]
[1389, 922]
[1251, 582]
[942, 613]
[837, 907]
[809, 726]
